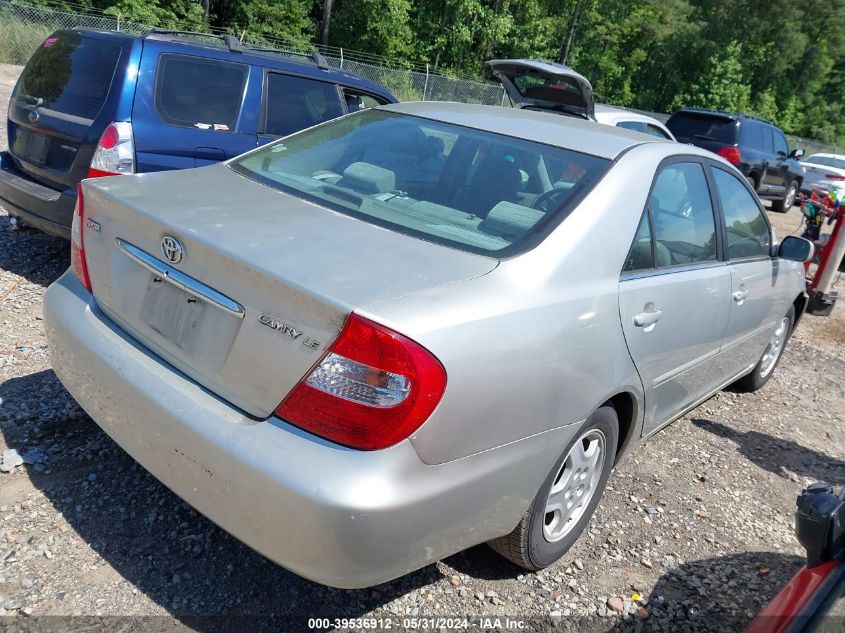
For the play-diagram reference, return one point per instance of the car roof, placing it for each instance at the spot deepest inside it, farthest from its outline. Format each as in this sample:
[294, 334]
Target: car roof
[824, 155]
[278, 60]
[550, 128]
[734, 116]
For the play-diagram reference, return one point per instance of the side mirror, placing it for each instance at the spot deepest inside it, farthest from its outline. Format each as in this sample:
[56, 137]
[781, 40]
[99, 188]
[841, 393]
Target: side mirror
[796, 153]
[796, 248]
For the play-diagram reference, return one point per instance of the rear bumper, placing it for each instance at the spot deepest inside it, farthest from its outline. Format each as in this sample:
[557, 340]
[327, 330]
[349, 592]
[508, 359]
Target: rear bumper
[337, 516]
[44, 208]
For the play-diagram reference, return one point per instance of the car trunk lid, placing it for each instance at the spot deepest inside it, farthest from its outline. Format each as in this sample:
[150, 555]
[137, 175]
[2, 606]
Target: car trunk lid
[295, 269]
[55, 104]
[545, 85]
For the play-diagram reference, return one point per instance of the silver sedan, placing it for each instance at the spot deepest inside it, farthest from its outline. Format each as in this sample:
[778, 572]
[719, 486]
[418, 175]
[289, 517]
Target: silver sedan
[417, 328]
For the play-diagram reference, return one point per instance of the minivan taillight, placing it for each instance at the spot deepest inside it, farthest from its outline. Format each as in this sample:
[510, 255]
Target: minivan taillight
[371, 389]
[115, 153]
[833, 177]
[77, 245]
[730, 154]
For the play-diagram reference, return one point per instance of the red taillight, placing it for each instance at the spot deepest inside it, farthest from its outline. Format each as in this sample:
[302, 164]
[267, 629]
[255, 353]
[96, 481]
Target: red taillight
[730, 154]
[77, 245]
[115, 153]
[373, 388]
[834, 177]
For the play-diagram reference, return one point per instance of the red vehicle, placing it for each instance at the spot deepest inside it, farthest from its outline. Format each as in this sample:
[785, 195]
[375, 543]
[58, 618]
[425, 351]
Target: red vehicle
[814, 600]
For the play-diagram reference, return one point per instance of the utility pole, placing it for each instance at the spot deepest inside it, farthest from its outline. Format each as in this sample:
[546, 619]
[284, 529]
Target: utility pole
[570, 33]
[327, 18]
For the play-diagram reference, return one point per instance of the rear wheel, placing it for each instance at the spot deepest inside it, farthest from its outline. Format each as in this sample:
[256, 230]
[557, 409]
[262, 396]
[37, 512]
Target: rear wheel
[567, 498]
[785, 204]
[771, 355]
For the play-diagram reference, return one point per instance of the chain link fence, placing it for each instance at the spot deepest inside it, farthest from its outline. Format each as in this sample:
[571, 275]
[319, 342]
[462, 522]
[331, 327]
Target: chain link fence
[23, 27]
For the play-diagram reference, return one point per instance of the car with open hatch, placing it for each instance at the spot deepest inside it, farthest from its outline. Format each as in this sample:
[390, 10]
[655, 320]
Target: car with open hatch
[413, 329]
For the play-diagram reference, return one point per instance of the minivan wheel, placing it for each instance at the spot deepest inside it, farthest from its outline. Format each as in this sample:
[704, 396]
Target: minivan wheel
[771, 355]
[785, 204]
[567, 498]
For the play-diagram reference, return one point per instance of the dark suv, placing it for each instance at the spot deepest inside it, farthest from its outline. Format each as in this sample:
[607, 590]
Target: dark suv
[97, 103]
[757, 147]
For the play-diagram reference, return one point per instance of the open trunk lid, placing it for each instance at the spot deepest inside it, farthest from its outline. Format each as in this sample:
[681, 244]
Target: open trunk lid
[294, 269]
[55, 105]
[539, 84]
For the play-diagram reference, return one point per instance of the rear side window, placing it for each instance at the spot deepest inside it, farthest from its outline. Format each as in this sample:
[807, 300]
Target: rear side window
[360, 100]
[655, 131]
[640, 257]
[631, 125]
[70, 74]
[752, 135]
[747, 229]
[702, 127]
[684, 228]
[295, 103]
[200, 93]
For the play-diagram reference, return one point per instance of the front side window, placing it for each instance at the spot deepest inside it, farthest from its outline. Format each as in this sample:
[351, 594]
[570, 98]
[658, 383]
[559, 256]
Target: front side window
[201, 93]
[747, 230]
[781, 147]
[295, 103]
[684, 228]
[470, 189]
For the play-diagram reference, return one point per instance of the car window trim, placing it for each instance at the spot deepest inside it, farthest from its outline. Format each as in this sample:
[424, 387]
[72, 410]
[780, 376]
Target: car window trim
[724, 225]
[721, 258]
[158, 79]
[262, 114]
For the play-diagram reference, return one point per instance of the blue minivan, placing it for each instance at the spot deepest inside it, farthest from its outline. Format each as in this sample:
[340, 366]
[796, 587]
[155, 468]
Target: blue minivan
[95, 103]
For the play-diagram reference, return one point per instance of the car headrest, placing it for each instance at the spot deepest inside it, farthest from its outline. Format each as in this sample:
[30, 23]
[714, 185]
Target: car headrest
[510, 220]
[368, 178]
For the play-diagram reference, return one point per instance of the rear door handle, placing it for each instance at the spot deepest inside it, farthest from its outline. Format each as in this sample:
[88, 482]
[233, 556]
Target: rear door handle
[739, 296]
[648, 319]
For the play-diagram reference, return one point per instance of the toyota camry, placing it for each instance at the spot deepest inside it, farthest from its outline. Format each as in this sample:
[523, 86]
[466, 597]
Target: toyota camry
[416, 328]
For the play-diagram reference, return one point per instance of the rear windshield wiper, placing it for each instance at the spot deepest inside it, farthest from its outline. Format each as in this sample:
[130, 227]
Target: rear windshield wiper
[703, 137]
[34, 101]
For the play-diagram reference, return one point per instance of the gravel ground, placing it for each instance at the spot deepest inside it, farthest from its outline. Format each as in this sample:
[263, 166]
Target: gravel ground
[694, 533]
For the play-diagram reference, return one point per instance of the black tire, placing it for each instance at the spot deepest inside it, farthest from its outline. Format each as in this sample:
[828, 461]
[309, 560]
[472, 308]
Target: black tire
[785, 204]
[527, 545]
[759, 376]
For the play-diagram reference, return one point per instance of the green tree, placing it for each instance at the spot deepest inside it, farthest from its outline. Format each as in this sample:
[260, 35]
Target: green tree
[722, 86]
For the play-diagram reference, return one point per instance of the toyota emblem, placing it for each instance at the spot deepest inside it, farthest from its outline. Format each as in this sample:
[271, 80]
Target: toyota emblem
[172, 249]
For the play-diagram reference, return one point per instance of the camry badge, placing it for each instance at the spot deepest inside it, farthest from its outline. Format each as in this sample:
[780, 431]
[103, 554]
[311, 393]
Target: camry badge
[172, 249]
[274, 323]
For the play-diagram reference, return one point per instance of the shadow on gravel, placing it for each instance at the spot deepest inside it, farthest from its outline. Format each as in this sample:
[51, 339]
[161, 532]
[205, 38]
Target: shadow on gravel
[176, 557]
[760, 575]
[37, 257]
[780, 456]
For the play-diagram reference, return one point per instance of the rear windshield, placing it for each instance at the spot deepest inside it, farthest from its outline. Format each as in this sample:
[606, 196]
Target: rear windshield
[69, 73]
[474, 190]
[702, 127]
[827, 161]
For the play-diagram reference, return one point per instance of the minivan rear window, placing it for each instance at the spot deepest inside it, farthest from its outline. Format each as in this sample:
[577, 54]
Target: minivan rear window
[200, 93]
[466, 188]
[70, 74]
[702, 127]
